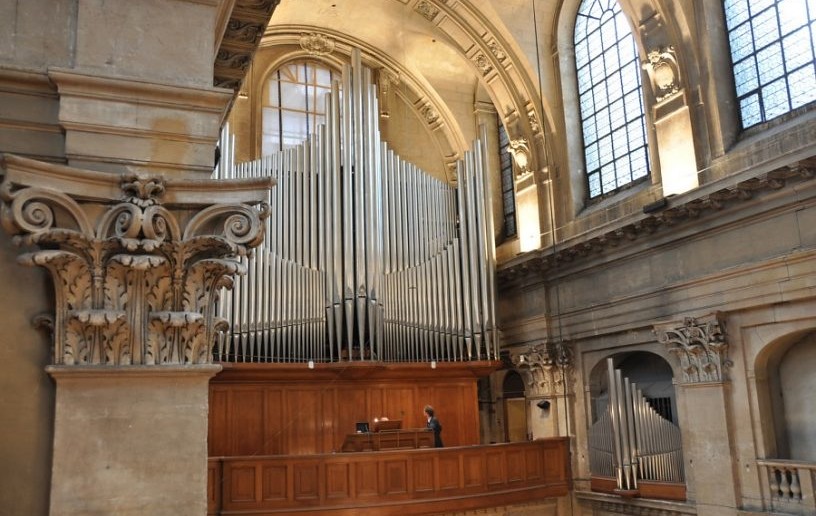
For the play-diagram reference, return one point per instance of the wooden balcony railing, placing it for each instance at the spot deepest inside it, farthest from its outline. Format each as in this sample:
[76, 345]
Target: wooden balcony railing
[405, 482]
[790, 485]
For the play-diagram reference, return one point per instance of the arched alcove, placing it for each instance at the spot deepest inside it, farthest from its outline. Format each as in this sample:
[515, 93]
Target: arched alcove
[649, 371]
[515, 407]
[785, 386]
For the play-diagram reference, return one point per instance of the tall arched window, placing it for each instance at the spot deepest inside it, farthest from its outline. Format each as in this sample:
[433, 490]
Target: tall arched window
[611, 99]
[772, 50]
[293, 104]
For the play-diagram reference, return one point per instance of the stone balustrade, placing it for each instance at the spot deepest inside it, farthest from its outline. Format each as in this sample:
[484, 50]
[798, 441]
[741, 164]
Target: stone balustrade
[790, 485]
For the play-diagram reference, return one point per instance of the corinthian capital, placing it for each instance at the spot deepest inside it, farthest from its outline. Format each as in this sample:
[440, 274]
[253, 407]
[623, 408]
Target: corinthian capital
[137, 262]
[547, 367]
[700, 346]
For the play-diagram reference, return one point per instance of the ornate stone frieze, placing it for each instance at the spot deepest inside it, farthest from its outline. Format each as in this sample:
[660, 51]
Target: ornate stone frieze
[482, 63]
[386, 82]
[664, 72]
[136, 262]
[234, 60]
[427, 9]
[700, 346]
[316, 44]
[521, 156]
[704, 205]
[246, 32]
[429, 114]
[546, 367]
[496, 50]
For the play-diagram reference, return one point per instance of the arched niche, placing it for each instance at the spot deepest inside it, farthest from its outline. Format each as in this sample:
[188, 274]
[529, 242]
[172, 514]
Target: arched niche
[785, 385]
[652, 374]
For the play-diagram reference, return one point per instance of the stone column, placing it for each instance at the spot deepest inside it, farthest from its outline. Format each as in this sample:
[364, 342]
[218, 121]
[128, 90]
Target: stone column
[700, 346]
[548, 371]
[137, 264]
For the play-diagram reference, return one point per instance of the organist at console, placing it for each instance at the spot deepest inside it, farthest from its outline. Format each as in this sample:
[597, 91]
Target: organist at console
[387, 434]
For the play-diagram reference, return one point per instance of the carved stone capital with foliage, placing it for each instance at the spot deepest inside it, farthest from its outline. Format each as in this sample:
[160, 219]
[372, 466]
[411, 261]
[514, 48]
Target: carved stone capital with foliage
[547, 367]
[137, 262]
[700, 346]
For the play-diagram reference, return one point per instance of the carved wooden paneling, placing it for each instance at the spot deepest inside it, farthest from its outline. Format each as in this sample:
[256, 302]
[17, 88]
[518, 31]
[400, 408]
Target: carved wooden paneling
[274, 483]
[306, 480]
[366, 475]
[269, 414]
[473, 469]
[423, 473]
[515, 466]
[533, 464]
[448, 471]
[433, 480]
[245, 421]
[396, 476]
[242, 484]
[337, 481]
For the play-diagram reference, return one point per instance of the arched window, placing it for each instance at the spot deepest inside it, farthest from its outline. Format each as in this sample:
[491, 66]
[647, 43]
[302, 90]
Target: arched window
[772, 50]
[293, 104]
[611, 98]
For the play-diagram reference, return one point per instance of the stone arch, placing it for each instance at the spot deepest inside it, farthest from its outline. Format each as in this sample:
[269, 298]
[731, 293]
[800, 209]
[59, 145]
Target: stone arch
[415, 91]
[652, 372]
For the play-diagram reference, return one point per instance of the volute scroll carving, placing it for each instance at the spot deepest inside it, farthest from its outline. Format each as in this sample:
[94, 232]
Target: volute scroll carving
[135, 278]
[700, 346]
[547, 367]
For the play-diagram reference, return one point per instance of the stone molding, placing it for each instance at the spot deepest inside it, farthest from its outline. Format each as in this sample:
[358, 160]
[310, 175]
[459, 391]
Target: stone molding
[547, 367]
[614, 504]
[137, 262]
[316, 44]
[705, 204]
[243, 30]
[700, 346]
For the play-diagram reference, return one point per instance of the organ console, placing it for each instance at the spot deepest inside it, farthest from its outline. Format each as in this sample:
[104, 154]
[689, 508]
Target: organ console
[366, 256]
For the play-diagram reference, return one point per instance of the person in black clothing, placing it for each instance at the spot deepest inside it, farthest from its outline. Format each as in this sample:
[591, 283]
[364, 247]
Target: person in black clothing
[435, 425]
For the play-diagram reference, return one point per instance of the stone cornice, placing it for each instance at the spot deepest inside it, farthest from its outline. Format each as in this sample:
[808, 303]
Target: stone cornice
[242, 34]
[28, 82]
[85, 85]
[705, 203]
[96, 186]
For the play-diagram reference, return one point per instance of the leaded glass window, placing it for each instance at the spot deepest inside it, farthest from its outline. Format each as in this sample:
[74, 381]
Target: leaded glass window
[772, 50]
[507, 187]
[610, 97]
[293, 104]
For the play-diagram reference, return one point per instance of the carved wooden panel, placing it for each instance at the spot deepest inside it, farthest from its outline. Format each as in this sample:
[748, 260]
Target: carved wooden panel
[337, 480]
[496, 470]
[423, 472]
[271, 414]
[366, 475]
[448, 471]
[396, 476]
[274, 483]
[245, 421]
[242, 485]
[473, 469]
[275, 426]
[515, 466]
[306, 481]
[434, 480]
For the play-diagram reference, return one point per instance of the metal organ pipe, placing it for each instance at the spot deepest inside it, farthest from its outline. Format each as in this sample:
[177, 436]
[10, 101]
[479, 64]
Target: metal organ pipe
[366, 257]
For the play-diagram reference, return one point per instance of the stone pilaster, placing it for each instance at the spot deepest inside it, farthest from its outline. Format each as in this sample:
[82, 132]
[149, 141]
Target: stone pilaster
[703, 396]
[137, 263]
[548, 371]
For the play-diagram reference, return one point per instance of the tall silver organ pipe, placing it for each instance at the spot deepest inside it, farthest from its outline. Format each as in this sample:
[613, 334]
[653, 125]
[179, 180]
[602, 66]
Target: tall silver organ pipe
[631, 441]
[366, 256]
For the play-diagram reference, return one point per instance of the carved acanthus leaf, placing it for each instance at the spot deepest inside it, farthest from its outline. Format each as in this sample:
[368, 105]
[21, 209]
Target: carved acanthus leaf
[133, 284]
[700, 346]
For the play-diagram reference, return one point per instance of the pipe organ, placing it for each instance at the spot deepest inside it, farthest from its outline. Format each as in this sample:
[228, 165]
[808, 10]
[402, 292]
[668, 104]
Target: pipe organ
[366, 256]
[631, 441]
